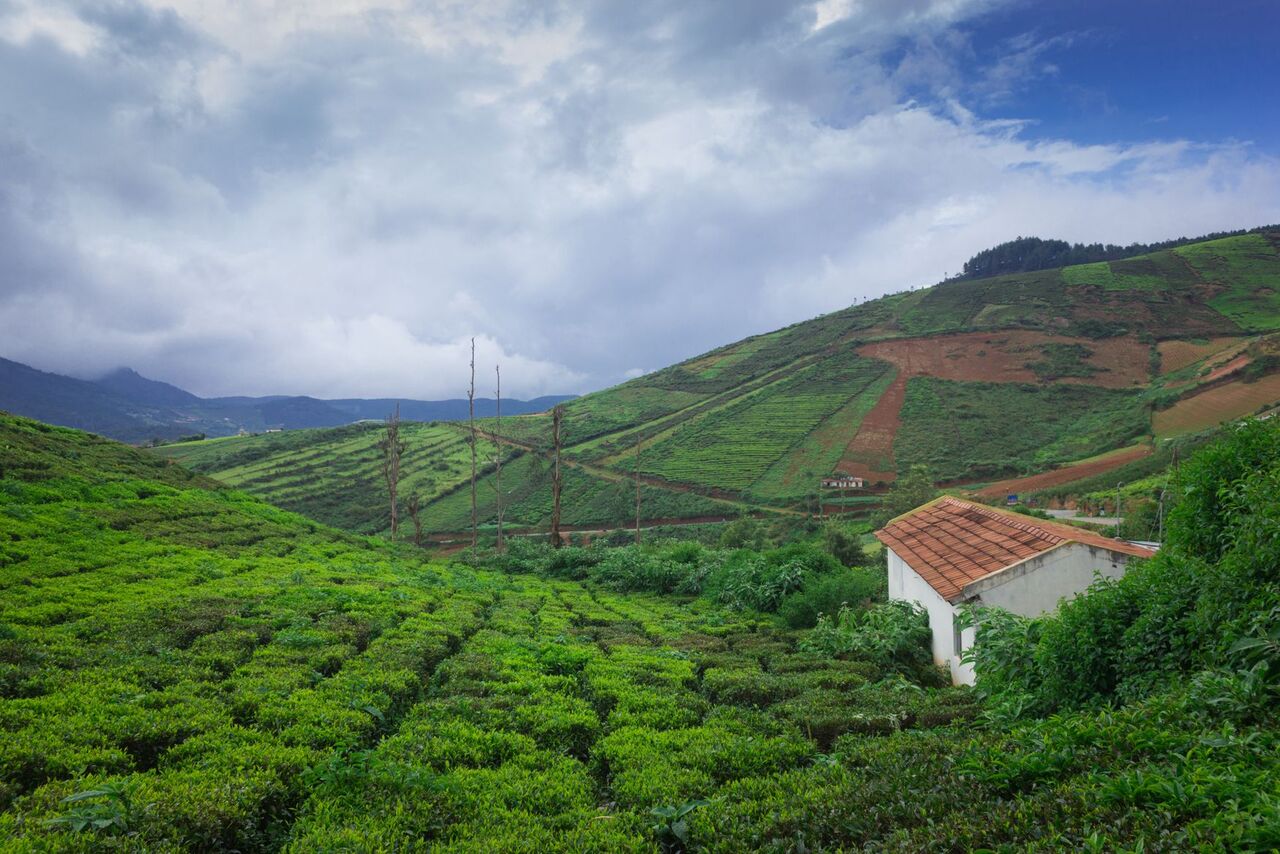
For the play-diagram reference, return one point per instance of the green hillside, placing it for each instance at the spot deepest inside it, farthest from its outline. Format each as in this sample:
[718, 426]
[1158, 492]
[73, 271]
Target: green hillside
[186, 668]
[979, 379]
[335, 476]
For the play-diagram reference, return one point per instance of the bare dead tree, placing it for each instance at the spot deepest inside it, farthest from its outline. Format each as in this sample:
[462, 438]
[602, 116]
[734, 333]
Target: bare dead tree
[497, 369]
[637, 490]
[471, 409]
[392, 448]
[415, 504]
[557, 416]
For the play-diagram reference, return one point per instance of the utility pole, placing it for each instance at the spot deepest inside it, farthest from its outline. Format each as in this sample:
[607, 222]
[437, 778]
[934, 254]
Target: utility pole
[497, 369]
[637, 490]
[392, 448]
[471, 417]
[557, 415]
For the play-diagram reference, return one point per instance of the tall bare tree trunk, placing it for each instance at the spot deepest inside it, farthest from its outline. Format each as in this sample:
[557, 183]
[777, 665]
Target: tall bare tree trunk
[471, 409]
[557, 415]
[415, 504]
[637, 490]
[392, 448]
[497, 369]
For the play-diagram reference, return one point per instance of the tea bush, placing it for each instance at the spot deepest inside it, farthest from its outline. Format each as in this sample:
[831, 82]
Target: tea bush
[183, 668]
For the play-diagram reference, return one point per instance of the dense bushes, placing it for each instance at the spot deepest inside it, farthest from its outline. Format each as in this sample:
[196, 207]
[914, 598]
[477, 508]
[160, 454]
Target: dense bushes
[827, 594]
[894, 636]
[809, 579]
[1214, 585]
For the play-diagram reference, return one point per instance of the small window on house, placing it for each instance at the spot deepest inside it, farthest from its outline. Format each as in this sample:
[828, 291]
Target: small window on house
[958, 639]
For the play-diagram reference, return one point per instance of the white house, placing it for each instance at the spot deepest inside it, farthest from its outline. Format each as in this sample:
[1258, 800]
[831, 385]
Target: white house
[952, 552]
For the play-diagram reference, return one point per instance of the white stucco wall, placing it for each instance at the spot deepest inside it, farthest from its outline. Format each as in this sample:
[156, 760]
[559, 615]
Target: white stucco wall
[906, 584]
[1037, 585]
[1031, 588]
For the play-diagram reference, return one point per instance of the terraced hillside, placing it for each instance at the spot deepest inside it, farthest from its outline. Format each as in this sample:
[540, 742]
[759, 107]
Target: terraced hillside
[982, 380]
[335, 476]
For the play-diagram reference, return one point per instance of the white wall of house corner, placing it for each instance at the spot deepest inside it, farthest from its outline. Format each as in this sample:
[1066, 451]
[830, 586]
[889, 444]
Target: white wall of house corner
[906, 584]
[1039, 584]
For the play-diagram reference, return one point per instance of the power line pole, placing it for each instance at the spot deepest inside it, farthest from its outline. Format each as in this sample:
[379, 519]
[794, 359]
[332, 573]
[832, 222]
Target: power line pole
[557, 415]
[637, 490]
[471, 417]
[497, 369]
[392, 448]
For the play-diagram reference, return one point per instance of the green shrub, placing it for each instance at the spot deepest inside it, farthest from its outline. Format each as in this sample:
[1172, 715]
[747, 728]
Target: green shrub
[844, 543]
[827, 594]
[1212, 585]
[893, 636]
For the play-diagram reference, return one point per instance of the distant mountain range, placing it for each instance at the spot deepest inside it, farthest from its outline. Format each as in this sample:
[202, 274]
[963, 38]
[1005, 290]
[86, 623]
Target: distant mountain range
[127, 406]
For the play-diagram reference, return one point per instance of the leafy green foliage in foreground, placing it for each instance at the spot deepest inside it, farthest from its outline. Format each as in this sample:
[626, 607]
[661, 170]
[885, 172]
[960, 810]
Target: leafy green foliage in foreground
[1214, 584]
[190, 669]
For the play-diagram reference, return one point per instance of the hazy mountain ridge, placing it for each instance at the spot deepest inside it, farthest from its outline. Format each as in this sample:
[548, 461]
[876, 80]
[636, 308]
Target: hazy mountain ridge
[127, 406]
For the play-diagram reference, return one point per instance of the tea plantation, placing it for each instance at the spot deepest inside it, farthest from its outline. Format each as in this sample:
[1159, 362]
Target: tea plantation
[186, 668]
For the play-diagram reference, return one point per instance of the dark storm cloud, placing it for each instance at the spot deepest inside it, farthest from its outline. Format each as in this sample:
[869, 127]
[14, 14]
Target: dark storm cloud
[333, 198]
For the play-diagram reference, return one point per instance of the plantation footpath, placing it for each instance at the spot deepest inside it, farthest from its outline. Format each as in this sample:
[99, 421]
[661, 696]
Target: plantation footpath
[981, 380]
[186, 668]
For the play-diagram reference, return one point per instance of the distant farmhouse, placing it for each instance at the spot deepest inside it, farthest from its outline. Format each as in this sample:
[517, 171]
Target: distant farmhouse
[843, 481]
[952, 552]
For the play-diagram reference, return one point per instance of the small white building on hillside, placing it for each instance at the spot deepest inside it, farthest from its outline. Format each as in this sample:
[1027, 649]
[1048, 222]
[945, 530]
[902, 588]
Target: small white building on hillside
[952, 552]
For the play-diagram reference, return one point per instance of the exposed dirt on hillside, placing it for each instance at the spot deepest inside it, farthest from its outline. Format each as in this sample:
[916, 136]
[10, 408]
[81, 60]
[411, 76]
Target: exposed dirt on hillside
[872, 445]
[1176, 355]
[1066, 474]
[1230, 366]
[974, 357]
[1212, 407]
[1005, 356]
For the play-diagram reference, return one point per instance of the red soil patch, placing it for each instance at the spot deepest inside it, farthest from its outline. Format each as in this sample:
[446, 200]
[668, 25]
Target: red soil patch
[1176, 355]
[872, 446]
[1226, 367]
[1066, 474]
[1212, 407]
[1004, 356]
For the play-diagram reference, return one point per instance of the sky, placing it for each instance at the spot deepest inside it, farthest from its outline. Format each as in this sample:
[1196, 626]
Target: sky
[332, 197]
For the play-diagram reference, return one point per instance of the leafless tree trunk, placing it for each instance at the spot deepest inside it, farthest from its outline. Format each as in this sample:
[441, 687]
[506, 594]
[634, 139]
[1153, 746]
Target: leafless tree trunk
[637, 490]
[497, 369]
[415, 504]
[392, 448]
[471, 407]
[557, 416]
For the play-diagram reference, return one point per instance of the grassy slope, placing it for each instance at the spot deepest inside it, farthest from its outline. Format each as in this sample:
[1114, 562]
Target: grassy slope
[764, 418]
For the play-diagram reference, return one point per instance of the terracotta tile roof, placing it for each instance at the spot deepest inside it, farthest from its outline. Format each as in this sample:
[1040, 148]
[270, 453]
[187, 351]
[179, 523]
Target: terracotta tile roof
[951, 542]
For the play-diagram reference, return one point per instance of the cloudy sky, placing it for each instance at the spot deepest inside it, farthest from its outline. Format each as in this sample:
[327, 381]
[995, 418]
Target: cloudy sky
[330, 197]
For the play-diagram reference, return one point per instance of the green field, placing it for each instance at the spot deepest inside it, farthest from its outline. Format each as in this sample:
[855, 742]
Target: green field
[975, 430]
[1246, 267]
[334, 475]
[186, 668]
[735, 446]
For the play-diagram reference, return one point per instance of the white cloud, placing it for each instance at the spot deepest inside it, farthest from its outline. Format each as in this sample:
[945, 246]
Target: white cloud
[332, 199]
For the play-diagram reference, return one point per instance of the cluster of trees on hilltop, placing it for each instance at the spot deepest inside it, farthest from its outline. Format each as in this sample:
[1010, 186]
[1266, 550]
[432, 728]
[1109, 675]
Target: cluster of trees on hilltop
[1033, 253]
